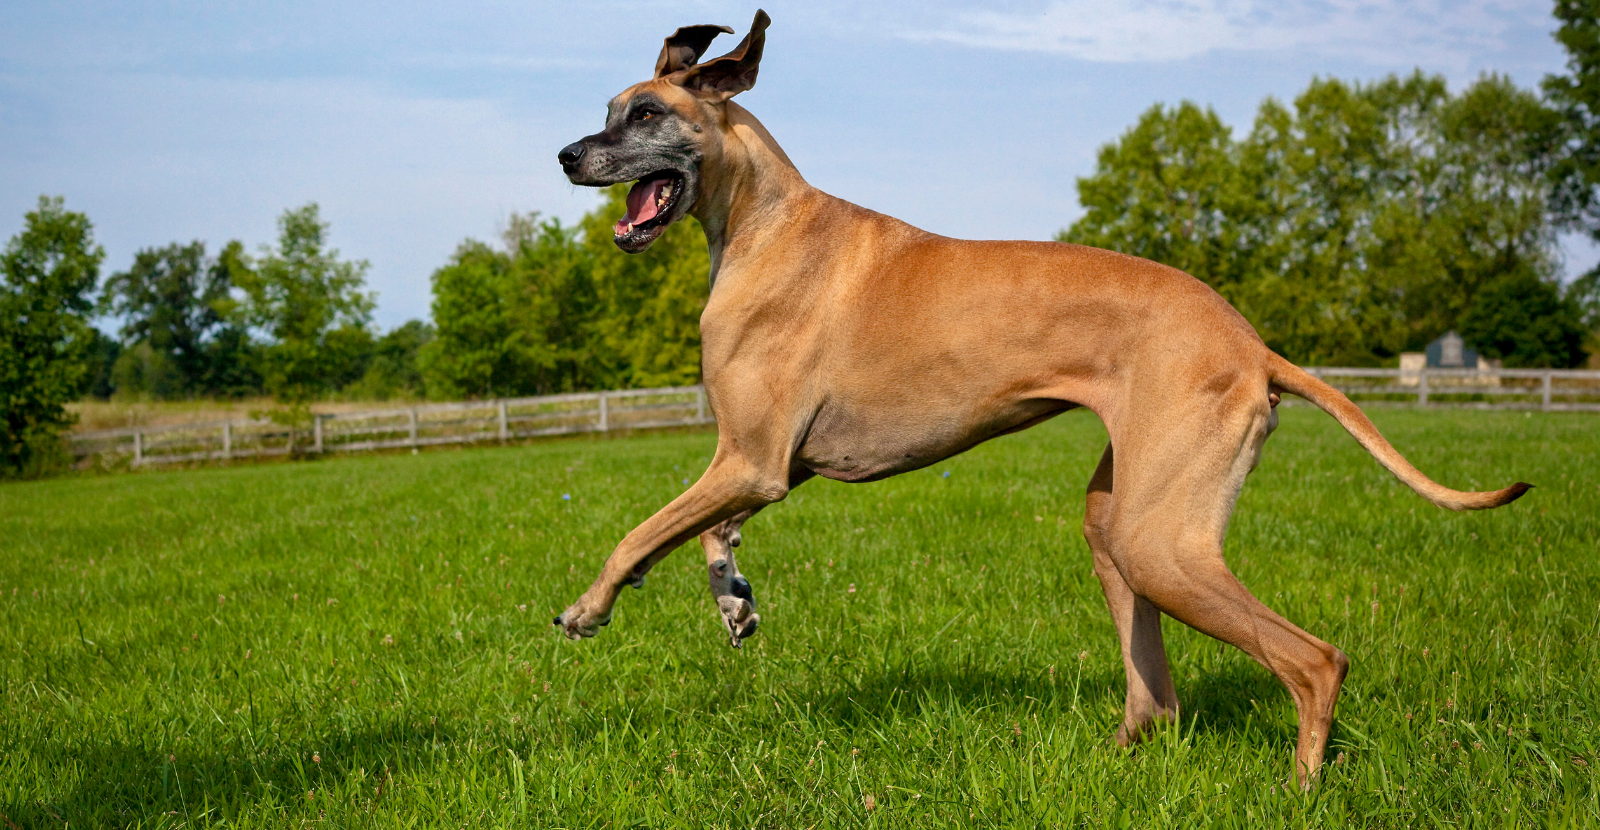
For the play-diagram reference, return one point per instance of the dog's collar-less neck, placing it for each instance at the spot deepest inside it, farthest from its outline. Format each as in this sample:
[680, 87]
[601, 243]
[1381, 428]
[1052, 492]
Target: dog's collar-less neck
[756, 197]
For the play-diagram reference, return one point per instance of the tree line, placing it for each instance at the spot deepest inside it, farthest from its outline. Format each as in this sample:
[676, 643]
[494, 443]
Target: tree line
[1362, 221]
[1359, 221]
[553, 308]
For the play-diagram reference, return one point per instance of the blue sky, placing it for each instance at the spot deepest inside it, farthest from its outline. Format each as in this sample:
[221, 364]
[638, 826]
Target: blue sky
[417, 125]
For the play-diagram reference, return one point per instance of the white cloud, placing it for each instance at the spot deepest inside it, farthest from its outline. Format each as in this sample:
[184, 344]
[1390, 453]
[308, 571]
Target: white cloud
[1433, 32]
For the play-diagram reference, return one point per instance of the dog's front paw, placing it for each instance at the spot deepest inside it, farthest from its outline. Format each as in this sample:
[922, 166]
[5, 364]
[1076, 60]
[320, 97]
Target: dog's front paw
[577, 622]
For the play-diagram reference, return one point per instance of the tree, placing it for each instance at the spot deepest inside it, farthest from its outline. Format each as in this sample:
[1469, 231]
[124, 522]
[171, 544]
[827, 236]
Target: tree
[1575, 175]
[646, 331]
[310, 306]
[561, 309]
[103, 352]
[1169, 190]
[491, 340]
[1526, 321]
[1354, 225]
[1576, 95]
[233, 358]
[393, 369]
[170, 302]
[50, 270]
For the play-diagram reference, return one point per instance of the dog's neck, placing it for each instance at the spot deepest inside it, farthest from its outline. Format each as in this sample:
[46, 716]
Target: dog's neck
[753, 195]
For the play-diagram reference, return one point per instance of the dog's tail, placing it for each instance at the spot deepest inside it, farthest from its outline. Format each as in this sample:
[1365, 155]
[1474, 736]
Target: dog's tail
[1292, 378]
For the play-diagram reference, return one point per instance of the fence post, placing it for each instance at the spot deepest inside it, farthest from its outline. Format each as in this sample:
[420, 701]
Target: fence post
[411, 424]
[138, 447]
[227, 439]
[316, 430]
[700, 404]
[502, 421]
[1546, 390]
[1422, 386]
[605, 414]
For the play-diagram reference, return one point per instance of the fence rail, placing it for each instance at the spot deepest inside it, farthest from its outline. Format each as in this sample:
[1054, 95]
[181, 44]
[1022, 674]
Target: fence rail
[401, 427]
[513, 418]
[1550, 390]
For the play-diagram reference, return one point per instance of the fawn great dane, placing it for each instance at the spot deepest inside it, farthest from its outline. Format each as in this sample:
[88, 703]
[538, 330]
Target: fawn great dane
[844, 343]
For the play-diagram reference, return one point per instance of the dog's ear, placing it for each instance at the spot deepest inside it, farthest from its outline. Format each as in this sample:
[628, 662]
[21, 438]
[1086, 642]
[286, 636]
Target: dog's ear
[734, 72]
[685, 46]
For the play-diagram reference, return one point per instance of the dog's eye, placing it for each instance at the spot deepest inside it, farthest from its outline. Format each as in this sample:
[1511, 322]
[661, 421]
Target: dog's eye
[644, 115]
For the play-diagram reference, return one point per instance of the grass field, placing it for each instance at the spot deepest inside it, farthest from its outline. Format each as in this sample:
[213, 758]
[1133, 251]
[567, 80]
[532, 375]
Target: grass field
[365, 642]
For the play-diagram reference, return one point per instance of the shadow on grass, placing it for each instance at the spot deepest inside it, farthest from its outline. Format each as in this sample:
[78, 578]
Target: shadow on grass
[120, 783]
[1233, 702]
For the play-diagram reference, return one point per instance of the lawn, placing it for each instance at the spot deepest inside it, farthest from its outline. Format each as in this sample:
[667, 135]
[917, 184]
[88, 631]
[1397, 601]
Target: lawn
[366, 642]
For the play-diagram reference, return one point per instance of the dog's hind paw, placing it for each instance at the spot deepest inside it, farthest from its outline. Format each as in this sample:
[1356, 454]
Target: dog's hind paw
[735, 601]
[741, 620]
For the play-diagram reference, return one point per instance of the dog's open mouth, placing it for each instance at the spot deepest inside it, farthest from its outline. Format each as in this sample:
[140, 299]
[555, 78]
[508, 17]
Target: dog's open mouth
[650, 207]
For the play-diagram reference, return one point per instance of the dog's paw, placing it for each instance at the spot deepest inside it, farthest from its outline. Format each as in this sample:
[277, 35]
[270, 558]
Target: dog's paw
[740, 618]
[577, 623]
[736, 601]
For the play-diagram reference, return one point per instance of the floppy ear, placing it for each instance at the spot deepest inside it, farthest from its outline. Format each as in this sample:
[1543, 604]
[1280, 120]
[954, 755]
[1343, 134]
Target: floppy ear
[734, 72]
[685, 46]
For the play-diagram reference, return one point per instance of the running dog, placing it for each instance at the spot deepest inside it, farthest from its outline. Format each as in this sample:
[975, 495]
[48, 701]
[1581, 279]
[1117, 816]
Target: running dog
[844, 343]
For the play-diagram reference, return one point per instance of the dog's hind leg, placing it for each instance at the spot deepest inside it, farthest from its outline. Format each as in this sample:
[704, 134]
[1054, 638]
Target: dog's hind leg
[735, 600]
[1151, 696]
[1169, 516]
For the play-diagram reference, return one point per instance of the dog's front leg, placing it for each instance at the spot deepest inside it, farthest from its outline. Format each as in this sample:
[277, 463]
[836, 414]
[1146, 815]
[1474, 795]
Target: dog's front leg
[730, 486]
[735, 600]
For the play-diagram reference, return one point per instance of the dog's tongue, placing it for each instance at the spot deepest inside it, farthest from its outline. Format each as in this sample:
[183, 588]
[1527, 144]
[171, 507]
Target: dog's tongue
[641, 204]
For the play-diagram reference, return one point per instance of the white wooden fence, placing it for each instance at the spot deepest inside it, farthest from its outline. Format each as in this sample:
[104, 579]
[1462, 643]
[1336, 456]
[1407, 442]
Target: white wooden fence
[400, 427]
[512, 418]
[1550, 390]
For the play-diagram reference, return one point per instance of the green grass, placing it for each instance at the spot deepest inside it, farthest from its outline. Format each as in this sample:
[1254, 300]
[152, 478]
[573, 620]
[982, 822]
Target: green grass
[366, 642]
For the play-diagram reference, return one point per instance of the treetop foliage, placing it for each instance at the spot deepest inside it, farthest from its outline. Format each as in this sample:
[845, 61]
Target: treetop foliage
[1359, 222]
[558, 308]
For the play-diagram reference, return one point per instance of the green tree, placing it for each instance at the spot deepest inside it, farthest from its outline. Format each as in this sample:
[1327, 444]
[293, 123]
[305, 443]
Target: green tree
[103, 352]
[1527, 322]
[1575, 174]
[233, 357]
[1169, 190]
[646, 330]
[553, 275]
[50, 271]
[490, 340]
[170, 302]
[1358, 223]
[394, 370]
[561, 309]
[1576, 95]
[311, 307]
[1318, 173]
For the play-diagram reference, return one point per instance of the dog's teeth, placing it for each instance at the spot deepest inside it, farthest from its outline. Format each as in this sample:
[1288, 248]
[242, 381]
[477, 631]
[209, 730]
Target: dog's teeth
[630, 228]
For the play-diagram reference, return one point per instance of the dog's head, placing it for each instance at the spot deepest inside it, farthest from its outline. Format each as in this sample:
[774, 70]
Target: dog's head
[659, 133]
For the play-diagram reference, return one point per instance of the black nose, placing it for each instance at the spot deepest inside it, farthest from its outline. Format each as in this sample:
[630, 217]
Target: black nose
[570, 154]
